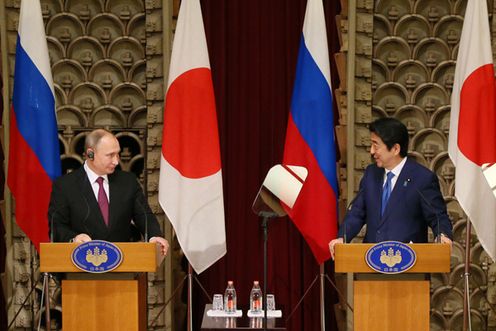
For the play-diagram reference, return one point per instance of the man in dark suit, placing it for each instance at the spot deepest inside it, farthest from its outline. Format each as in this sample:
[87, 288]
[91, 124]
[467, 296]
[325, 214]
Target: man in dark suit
[97, 201]
[398, 198]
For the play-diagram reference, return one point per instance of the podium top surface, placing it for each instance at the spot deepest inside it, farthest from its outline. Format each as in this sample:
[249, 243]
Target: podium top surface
[431, 258]
[137, 257]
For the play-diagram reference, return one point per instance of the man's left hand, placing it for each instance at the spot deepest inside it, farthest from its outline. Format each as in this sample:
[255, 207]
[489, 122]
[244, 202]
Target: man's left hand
[163, 243]
[445, 239]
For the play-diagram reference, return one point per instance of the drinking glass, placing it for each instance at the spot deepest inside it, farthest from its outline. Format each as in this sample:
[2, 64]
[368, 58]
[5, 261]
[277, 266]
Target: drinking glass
[271, 302]
[218, 302]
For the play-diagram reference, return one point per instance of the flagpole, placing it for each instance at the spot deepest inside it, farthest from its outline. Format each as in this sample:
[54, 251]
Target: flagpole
[467, 324]
[46, 280]
[190, 298]
[265, 225]
[322, 298]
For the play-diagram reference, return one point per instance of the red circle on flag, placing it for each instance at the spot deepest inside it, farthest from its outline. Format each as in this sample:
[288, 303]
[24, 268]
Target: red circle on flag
[190, 138]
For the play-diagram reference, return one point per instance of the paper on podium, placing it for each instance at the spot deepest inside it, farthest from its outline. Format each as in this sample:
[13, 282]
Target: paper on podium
[282, 185]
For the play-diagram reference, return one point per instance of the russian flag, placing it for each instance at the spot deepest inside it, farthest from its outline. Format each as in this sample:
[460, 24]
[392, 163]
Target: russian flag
[34, 156]
[310, 140]
[472, 136]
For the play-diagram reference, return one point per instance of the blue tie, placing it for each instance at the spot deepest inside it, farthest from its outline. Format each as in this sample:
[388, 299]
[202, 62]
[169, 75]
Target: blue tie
[386, 191]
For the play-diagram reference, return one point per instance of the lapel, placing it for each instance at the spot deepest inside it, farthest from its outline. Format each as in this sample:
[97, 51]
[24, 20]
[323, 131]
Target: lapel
[398, 191]
[94, 215]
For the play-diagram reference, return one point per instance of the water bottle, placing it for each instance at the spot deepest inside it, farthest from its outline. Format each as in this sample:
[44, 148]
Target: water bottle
[256, 298]
[230, 298]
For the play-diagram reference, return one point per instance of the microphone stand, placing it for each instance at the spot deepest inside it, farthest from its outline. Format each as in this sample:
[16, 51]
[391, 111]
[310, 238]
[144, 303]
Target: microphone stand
[266, 216]
[46, 279]
[323, 275]
[23, 304]
[467, 321]
[280, 187]
[45, 293]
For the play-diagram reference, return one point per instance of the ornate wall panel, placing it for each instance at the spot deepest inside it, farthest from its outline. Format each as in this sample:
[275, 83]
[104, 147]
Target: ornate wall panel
[354, 101]
[107, 60]
[414, 55]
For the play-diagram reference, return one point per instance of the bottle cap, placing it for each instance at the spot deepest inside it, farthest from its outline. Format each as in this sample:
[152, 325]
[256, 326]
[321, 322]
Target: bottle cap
[230, 282]
[255, 282]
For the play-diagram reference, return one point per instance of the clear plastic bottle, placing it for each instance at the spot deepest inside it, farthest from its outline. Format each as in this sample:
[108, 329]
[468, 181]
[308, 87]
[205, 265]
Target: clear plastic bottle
[256, 298]
[230, 298]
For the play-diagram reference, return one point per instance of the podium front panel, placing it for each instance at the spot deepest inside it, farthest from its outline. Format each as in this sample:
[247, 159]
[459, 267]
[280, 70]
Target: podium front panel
[392, 305]
[100, 305]
[108, 301]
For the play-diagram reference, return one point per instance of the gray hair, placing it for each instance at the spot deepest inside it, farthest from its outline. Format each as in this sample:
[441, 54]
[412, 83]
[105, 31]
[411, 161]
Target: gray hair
[94, 137]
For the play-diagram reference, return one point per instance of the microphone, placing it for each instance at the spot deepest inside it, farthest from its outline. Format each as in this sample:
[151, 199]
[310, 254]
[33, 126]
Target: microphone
[56, 210]
[348, 209]
[350, 205]
[51, 223]
[146, 218]
[407, 181]
[87, 215]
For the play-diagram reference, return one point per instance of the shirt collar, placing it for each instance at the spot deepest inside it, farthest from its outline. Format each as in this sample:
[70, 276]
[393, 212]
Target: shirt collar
[397, 170]
[92, 176]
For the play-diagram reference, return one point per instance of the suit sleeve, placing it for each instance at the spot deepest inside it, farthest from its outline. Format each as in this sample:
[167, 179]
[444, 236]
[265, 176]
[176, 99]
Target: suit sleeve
[435, 212]
[58, 215]
[144, 215]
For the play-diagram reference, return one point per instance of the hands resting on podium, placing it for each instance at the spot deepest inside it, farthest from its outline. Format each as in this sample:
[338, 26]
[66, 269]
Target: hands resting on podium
[83, 237]
[332, 243]
[443, 240]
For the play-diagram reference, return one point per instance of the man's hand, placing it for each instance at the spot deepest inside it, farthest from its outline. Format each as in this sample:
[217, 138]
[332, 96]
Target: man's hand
[162, 242]
[334, 242]
[81, 238]
[445, 239]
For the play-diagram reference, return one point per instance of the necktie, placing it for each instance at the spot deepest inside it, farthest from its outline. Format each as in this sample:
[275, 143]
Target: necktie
[103, 200]
[386, 191]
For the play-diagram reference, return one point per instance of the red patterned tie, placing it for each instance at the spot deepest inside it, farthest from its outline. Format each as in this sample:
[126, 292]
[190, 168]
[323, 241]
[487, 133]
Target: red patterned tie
[103, 200]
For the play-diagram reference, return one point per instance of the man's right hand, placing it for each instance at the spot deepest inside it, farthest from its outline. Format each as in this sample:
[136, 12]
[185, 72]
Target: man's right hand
[334, 242]
[81, 238]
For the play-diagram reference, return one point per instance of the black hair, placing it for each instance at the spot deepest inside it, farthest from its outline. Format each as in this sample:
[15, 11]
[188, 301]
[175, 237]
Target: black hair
[392, 132]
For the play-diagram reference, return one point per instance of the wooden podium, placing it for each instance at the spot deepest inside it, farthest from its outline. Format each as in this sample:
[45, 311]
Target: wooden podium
[110, 301]
[392, 302]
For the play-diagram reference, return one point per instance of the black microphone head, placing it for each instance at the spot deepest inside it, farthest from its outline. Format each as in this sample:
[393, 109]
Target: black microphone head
[51, 224]
[145, 213]
[88, 211]
[427, 202]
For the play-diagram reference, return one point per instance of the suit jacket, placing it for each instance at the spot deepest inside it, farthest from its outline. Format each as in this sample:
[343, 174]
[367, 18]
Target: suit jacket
[74, 208]
[415, 203]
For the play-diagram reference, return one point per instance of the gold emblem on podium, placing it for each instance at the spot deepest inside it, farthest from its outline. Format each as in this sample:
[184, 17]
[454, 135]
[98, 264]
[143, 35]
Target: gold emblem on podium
[96, 257]
[391, 258]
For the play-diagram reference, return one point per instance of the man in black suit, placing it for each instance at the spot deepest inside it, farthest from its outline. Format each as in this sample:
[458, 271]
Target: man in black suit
[97, 201]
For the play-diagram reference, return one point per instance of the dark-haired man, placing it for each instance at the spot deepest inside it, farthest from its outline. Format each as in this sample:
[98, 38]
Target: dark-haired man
[97, 201]
[398, 198]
